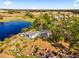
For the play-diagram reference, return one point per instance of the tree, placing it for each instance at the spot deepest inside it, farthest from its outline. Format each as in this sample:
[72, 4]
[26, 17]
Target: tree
[74, 30]
[47, 21]
[10, 11]
[29, 14]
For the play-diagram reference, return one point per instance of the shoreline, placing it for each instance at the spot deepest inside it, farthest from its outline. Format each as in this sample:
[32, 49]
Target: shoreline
[26, 19]
[11, 20]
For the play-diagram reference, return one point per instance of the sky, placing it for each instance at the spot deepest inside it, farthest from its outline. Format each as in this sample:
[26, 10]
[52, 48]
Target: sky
[39, 4]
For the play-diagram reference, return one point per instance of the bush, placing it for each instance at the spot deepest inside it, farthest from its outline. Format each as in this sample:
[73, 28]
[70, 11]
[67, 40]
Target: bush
[1, 17]
[29, 14]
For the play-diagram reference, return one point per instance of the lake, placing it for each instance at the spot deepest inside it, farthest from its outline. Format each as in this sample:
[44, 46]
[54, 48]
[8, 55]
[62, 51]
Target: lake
[8, 29]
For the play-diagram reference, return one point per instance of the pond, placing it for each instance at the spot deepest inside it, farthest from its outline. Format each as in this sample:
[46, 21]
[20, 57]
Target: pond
[8, 29]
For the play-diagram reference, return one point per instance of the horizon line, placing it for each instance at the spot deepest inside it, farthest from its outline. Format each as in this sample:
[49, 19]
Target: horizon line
[40, 9]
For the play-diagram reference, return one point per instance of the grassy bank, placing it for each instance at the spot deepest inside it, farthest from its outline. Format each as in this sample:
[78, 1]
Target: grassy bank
[27, 19]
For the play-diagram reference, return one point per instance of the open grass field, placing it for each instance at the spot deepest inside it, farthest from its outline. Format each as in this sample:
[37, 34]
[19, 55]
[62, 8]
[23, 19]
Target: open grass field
[7, 19]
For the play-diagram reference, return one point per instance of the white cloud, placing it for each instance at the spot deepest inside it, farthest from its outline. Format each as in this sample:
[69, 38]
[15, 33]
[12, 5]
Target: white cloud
[8, 2]
[76, 1]
[76, 5]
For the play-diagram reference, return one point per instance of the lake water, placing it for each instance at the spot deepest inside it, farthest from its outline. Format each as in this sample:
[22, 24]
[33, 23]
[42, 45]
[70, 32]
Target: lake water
[11, 28]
